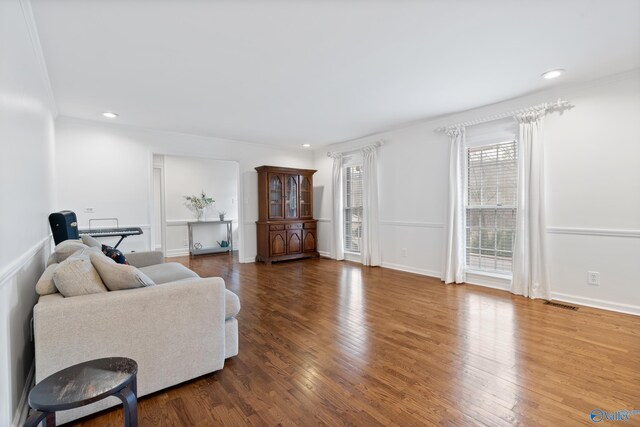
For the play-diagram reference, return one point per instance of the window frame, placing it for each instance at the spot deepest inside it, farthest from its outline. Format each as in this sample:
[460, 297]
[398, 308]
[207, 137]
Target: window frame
[350, 162]
[496, 208]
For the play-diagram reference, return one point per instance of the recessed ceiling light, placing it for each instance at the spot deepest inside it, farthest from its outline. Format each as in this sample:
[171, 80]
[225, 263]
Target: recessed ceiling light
[306, 145]
[110, 115]
[552, 74]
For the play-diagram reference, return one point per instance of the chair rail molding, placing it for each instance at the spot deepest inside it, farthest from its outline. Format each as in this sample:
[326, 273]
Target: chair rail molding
[13, 267]
[183, 222]
[413, 224]
[607, 232]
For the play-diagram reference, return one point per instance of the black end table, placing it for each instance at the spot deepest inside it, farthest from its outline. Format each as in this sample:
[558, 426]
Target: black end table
[85, 383]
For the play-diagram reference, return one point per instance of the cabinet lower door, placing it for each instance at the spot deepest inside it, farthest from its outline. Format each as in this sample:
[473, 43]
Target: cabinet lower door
[277, 243]
[309, 240]
[294, 241]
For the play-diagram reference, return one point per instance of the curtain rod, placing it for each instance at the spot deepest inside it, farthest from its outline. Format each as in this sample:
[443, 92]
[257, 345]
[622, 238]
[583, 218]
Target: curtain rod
[559, 105]
[353, 150]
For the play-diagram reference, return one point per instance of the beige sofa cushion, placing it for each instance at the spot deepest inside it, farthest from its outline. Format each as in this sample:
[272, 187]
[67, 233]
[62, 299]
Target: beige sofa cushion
[118, 277]
[45, 285]
[67, 248]
[168, 272]
[77, 276]
[231, 304]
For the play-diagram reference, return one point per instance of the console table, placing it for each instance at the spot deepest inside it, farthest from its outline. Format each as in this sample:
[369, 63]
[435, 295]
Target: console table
[212, 249]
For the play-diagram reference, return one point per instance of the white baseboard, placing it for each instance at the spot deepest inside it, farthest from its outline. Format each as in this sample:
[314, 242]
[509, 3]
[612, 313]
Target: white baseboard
[597, 303]
[22, 411]
[488, 281]
[248, 260]
[408, 269]
[172, 253]
[481, 280]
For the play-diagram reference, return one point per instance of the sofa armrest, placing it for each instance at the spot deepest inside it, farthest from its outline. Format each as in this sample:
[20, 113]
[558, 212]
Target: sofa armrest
[174, 331]
[145, 259]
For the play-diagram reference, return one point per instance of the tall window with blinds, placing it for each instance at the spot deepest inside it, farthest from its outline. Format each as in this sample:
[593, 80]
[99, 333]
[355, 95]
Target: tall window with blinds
[352, 208]
[492, 177]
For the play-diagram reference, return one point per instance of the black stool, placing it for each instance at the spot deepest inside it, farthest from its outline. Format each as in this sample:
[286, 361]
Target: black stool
[83, 384]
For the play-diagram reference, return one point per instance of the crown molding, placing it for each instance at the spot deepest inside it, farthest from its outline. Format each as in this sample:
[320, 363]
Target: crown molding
[30, 21]
[125, 127]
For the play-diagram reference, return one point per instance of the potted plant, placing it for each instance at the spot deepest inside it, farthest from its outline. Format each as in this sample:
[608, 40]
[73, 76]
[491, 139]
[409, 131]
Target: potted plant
[197, 204]
[222, 213]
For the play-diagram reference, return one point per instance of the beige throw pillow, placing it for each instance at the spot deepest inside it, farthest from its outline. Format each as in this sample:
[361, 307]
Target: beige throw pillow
[45, 285]
[77, 276]
[67, 248]
[91, 241]
[118, 277]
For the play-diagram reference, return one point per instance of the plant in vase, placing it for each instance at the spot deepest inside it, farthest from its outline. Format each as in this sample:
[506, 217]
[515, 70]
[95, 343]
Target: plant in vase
[197, 204]
[222, 214]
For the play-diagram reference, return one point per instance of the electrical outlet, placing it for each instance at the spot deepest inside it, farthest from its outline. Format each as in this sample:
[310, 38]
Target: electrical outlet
[593, 278]
[88, 210]
[403, 251]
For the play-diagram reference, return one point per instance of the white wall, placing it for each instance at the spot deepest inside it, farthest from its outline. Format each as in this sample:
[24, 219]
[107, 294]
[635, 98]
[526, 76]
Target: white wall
[109, 167]
[592, 180]
[26, 193]
[189, 176]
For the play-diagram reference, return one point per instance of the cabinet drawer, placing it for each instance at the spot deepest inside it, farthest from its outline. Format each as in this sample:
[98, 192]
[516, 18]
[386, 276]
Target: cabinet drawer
[308, 225]
[273, 227]
[296, 226]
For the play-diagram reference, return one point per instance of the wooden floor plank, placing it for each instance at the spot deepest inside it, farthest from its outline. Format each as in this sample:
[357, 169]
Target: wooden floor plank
[334, 343]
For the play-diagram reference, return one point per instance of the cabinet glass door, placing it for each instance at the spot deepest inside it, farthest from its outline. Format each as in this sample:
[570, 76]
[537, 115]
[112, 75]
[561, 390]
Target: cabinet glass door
[305, 197]
[291, 197]
[275, 196]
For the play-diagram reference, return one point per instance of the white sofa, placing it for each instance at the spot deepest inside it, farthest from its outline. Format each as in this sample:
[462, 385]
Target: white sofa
[180, 329]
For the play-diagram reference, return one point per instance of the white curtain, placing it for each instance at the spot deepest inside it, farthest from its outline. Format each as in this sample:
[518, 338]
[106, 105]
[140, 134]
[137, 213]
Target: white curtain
[453, 269]
[530, 277]
[337, 249]
[370, 249]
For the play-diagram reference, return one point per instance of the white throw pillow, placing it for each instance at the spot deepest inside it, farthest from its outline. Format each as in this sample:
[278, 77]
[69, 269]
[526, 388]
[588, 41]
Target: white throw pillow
[118, 277]
[77, 276]
[67, 248]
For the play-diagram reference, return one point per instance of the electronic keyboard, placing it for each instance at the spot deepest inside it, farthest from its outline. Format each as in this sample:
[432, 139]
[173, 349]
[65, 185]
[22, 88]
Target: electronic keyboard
[112, 232]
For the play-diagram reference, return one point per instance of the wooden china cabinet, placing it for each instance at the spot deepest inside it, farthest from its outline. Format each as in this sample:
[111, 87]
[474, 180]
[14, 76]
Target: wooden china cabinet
[285, 227]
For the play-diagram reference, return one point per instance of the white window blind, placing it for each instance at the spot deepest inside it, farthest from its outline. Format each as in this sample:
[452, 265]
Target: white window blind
[352, 208]
[492, 176]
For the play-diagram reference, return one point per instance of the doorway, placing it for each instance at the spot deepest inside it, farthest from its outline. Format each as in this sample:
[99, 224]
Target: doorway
[176, 176]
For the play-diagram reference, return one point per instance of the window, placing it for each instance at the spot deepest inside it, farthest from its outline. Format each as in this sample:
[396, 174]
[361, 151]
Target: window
[352, 208]
[492, 177]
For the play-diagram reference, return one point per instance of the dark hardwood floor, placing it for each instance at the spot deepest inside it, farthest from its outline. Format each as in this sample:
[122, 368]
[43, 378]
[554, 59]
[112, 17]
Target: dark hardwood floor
[373, 346]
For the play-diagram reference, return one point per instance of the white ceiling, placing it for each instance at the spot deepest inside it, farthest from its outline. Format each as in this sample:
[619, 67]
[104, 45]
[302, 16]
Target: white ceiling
[287, 72]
